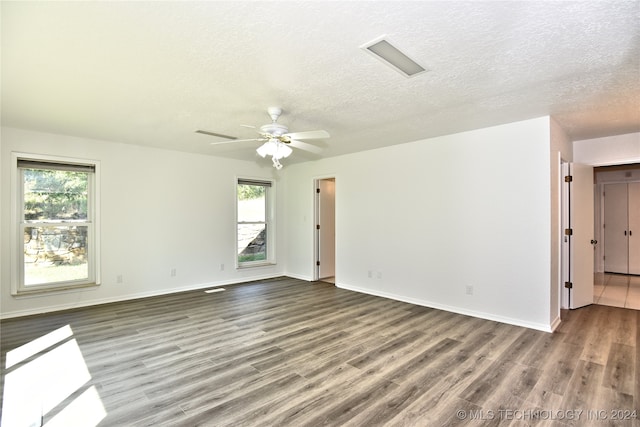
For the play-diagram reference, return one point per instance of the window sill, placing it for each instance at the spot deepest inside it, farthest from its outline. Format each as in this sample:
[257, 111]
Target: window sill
[256, 264]
[62, 289]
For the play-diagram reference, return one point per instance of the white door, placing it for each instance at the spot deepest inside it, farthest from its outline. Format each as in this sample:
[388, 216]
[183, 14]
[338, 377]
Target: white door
[581, 257]
[634, 228]
[616, 246]
[327, 230]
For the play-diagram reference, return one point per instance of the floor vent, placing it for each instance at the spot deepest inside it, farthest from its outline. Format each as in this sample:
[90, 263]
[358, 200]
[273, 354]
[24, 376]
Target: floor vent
[212, 291]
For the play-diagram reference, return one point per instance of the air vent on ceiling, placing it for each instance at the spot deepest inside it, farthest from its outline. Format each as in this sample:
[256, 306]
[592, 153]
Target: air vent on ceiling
[382, 49]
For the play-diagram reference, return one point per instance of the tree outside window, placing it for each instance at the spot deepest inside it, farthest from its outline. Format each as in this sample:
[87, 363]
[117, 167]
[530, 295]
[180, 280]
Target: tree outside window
[56, 225]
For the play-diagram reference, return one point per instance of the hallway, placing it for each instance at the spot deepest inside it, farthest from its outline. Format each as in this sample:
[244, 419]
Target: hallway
[617, 290]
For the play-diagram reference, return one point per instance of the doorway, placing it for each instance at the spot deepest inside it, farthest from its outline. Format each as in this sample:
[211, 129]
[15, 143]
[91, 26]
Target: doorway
[617, 277]
[621, 218]
[325, 229]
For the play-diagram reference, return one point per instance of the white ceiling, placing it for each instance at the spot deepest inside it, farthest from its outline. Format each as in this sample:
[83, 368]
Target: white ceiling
[151, 73]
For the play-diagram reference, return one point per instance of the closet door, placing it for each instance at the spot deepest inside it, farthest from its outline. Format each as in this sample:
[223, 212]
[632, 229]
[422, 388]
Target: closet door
[634, 227]
[616, 248]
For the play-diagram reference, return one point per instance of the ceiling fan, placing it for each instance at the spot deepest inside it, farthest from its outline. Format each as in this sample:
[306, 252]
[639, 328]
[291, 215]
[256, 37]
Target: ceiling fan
[278, 140]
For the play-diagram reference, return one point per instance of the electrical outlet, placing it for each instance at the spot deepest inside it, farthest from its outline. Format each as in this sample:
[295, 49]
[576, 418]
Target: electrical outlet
[221, 267]
[469, 289]
[173, 272]
[119, 278]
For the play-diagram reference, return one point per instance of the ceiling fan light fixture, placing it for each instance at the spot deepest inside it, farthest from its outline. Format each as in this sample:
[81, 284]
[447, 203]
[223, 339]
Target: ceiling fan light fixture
[390, 55]
[276, 139]
[275, 149]
[284, 150]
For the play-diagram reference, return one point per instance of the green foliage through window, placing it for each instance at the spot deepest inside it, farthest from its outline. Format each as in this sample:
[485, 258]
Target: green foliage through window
[55, 194]
[250, 192]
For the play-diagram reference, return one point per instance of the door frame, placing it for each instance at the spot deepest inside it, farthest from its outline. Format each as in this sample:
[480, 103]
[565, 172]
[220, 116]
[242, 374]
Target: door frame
[564, 240]
[573, 244]
[316, 219]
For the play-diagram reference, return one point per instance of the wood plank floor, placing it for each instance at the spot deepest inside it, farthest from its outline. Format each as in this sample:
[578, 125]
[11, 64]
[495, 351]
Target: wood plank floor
[284, 352]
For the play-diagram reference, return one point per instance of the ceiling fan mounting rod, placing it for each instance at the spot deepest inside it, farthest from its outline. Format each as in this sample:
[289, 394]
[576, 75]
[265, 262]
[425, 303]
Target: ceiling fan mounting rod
[274, 113]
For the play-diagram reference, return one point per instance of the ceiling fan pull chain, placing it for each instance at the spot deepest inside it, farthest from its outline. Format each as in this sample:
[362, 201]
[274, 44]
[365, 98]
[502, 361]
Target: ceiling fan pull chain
[276, 163]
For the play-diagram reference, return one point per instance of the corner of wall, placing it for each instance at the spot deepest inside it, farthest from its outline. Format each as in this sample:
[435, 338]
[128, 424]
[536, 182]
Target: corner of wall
[560, 141]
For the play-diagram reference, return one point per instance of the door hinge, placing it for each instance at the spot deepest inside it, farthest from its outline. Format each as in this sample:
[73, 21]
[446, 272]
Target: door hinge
[568, 232]
[318, 227]
[568, 285]
[317, 262]
[568, 178]
[317, 190]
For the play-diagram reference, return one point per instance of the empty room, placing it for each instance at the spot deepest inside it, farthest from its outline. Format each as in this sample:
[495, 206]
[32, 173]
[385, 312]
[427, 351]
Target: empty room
[303, 213]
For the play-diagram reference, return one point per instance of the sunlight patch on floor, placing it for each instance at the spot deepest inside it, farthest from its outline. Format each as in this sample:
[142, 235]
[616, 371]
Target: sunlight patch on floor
[36, 387]
[85, 410]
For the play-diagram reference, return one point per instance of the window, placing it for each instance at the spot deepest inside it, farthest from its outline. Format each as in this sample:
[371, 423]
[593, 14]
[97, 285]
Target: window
[56, 225]
[255, 228]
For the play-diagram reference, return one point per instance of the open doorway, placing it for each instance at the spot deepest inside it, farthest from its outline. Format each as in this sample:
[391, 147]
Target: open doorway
[614, 277]
[617, 277]
[325, 229]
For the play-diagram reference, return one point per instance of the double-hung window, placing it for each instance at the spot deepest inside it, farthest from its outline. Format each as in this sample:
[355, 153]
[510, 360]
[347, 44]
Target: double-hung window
[56, 235]
[255, 225]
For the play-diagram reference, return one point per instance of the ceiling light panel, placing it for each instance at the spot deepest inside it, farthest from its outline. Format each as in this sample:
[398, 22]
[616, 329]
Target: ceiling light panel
[382, 49]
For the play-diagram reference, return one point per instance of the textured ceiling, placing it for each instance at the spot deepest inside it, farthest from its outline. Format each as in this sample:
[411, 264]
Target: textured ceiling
[151, 73]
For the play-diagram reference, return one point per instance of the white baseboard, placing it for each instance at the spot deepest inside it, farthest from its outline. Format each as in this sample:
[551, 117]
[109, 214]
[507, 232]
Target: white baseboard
[556, 322]
[453, 309]
[100, 301]
[430, 304]
[300, 277]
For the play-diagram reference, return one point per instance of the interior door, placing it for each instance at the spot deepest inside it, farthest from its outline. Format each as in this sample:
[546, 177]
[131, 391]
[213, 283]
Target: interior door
[634, 227]
[616, 246]
[327, 231]
[581, 198]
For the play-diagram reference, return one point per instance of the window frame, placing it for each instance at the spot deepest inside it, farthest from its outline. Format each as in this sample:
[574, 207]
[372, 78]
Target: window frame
[270, 226]
[18, 287]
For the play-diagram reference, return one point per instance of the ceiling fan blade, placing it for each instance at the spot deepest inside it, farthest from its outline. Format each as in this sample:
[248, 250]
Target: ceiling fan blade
[218, 135]
[236, 140]
[312, 134]
[304, 146]
[248, 126]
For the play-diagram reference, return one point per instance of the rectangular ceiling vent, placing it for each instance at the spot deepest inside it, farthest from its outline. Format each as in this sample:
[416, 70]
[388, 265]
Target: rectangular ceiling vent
[392, 56]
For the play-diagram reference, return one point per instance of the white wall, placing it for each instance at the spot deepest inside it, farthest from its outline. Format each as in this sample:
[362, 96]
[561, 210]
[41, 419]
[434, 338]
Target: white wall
[611, 150]
[431, 217]
[427, 218]
[159, 210]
